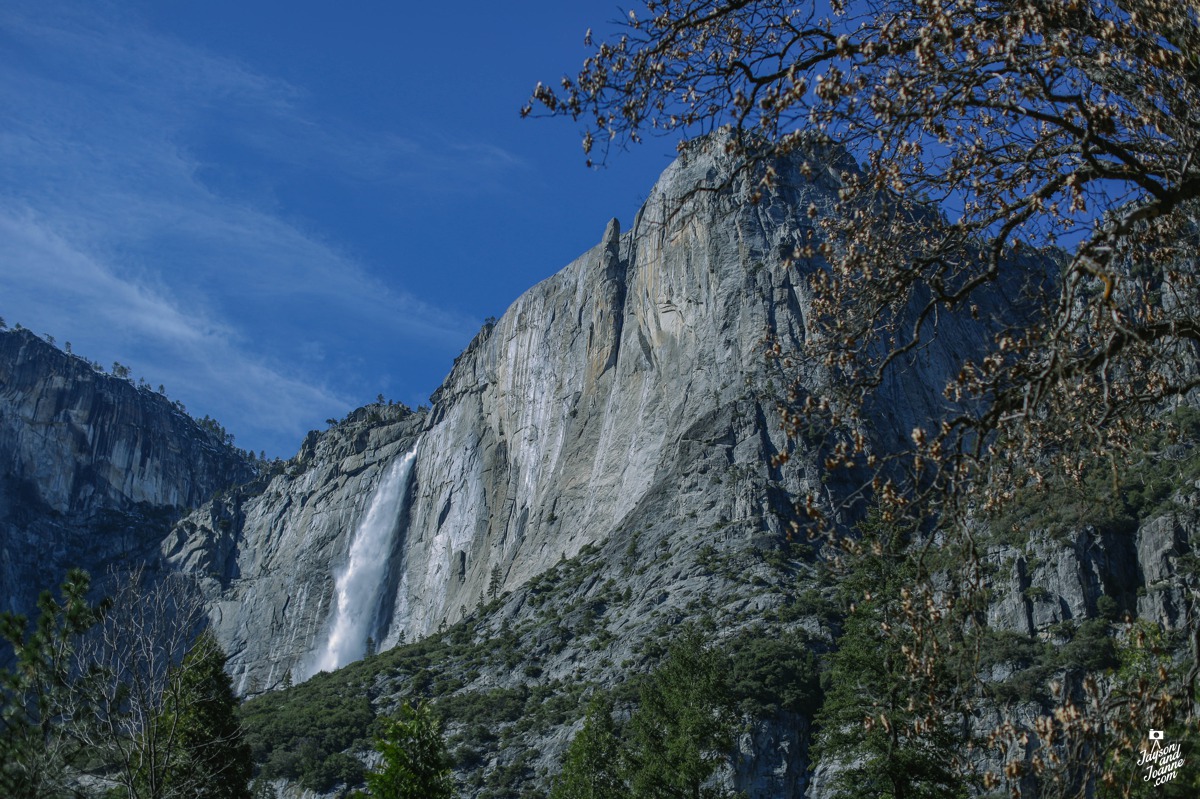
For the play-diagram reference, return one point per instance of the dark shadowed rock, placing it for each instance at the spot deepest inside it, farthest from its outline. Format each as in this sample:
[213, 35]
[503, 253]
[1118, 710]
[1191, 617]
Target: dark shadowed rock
[92, 468]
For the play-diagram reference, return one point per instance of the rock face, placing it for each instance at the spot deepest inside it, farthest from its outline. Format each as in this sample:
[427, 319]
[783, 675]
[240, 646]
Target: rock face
[266, 559]
[608, 442]
[597, 389]
[92, 468]
[601, 397]
[624, 408]
[87, 441]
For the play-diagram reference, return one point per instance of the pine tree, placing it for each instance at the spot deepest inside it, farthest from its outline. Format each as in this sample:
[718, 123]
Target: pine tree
[876, 724]
[415, 763]
[684, 725]
[211, 759]
[592, 766]
[37, 694]
[495, 582]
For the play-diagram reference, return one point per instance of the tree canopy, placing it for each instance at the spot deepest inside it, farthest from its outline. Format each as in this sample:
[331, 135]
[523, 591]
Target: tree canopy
[415, 763]
[881, 721]
[682, 732]
[1014, 179]
[592, 767]
[1043, 148]
[36, 691]
[211, 758]
[684, 726]
[127, 692]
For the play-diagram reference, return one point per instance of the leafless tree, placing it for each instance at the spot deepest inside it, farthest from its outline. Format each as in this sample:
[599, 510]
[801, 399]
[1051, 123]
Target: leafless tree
[133, 677]
[1043, 150]
[1052, 138]
[129, 694]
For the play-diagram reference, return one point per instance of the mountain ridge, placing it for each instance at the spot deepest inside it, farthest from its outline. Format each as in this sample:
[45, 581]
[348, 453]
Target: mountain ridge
[92, 467]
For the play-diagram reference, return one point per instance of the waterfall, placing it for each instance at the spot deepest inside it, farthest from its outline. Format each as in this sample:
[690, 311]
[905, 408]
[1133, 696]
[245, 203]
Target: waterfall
[358, 584]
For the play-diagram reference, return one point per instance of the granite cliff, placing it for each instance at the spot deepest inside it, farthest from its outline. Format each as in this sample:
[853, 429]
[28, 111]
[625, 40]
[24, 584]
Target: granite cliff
[630, 389]
[595, 471]
[92, 468]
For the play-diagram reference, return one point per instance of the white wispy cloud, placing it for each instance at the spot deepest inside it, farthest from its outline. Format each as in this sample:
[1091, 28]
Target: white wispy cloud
[111, 231]
[67, 289]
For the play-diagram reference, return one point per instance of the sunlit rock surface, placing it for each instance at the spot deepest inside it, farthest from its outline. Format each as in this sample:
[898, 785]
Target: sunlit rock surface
[267, 559]
[614, 391]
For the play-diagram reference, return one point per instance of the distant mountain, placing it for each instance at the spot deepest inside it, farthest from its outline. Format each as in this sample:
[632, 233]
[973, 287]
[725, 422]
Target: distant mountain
[93, 469]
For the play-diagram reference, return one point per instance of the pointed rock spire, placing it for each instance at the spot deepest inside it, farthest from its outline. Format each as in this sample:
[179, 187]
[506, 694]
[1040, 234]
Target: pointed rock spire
[612, 237]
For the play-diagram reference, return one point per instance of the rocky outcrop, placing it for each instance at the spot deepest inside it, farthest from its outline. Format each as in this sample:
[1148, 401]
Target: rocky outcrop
[93, 469]
[266, 559]
[1161, 544]
[84, 441]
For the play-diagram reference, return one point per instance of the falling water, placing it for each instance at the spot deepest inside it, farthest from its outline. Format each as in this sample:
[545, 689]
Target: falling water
[358, 583]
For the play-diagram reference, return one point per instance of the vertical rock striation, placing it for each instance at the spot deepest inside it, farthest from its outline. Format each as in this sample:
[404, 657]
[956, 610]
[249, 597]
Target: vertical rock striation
[598, 386]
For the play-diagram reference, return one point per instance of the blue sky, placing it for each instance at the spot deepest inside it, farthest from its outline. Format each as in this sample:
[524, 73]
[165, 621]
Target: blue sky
[279, 210]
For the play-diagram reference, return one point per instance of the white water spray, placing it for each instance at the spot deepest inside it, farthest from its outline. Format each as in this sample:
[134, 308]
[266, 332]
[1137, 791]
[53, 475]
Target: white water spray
[357, 585]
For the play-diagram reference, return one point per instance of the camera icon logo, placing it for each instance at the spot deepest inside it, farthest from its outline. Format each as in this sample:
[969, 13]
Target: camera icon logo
[1156, 735]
